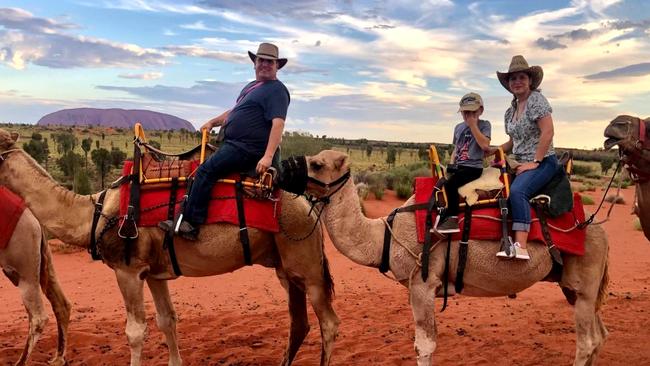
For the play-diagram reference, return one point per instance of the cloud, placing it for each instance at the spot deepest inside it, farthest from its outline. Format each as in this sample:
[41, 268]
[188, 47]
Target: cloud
[199, 51]
[144, 76]
[549, 43]
[28, 39]
[640, 69]
[207, 92]
[312, 9]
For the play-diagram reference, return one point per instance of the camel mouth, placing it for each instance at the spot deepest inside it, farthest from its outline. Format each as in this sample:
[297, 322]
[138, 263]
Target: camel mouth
[293, 175]
[611, 142]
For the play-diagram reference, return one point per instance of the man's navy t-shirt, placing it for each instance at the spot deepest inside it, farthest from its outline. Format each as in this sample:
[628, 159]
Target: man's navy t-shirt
[249, 123]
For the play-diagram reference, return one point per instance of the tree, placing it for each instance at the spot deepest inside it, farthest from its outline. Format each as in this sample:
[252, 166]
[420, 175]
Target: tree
[96, 144]
[65, 141]
[117, 157]
[86, 145]
[102, 160]
[368, 150]
[606, 164]
[69, 163]
[82, 182]
[390, 156]
[37, 149]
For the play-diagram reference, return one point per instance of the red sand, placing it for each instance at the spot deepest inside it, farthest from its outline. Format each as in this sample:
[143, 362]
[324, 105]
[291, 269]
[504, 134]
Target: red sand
[241, 318]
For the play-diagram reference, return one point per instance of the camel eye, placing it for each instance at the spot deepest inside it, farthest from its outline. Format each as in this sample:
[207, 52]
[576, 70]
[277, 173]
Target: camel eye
[315, 166]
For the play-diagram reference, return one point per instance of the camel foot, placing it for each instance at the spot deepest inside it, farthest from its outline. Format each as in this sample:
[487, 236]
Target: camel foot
[58, 361]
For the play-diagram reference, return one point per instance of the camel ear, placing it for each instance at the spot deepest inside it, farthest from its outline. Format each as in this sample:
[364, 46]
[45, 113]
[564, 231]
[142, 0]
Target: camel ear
[341, 162]
[14, 136]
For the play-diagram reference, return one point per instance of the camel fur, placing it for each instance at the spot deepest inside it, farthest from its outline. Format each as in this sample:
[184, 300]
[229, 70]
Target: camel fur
[583, 279]
[27, 262]
[299, 261]
[624, 132]
[488, 181]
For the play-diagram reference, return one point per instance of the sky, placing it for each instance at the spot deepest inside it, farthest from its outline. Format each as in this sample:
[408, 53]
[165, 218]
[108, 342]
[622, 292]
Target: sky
[382, 70]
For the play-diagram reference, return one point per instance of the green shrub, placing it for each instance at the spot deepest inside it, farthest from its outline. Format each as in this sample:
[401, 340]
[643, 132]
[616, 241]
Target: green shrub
[618, 200]
[637, 224]
[625, 184]
[404, 191]
[378, 192]
[579, 169]
[586, 200]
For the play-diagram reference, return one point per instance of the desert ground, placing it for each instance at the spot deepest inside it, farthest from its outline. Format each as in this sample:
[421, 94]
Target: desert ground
[241, 318]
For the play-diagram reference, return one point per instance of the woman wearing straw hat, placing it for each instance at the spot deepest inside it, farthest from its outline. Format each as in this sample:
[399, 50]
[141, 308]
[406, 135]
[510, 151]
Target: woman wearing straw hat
[529, 124]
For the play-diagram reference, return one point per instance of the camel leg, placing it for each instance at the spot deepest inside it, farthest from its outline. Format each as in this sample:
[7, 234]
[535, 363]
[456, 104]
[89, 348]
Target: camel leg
[590, 332]
[166, 318]
[60, 304]
[321, 302]
[131, 287]
[31, 296]
[298, 317]
[422, 295]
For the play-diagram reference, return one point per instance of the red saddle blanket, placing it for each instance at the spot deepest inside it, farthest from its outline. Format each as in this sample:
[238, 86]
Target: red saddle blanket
[11, 208]
[260, 214]
[486, 222]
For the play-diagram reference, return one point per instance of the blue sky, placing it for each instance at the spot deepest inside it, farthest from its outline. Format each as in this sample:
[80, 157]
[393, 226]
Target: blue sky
[389, 70]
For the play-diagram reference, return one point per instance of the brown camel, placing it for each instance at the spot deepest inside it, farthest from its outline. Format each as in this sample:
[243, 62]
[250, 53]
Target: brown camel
[624, 132]
[298, 259]
[27, 262]
[583, 279]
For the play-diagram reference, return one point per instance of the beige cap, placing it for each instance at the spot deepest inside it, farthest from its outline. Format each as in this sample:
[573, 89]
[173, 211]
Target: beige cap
[470, 102]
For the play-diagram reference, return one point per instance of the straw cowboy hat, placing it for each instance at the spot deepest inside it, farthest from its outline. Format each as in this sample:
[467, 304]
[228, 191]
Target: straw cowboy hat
[268, 51]
[519, 64]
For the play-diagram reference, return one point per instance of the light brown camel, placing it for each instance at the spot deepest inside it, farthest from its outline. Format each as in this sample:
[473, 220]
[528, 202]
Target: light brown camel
[300, 263]
[624, 131]
[583, 280]
[27, 262]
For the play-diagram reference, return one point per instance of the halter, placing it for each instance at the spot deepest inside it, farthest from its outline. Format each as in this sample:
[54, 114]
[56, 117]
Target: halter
[339, 183]
[3, 155]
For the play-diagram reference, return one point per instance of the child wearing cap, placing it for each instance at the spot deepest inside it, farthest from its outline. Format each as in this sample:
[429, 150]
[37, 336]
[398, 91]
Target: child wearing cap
[471, 142]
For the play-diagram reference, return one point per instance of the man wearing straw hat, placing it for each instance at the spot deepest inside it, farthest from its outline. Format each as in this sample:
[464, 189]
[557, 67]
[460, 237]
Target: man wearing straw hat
[253, 131]
[529, 124]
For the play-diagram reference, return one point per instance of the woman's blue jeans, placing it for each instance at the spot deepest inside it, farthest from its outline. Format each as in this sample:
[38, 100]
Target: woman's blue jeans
[227, 160]
[525, 186]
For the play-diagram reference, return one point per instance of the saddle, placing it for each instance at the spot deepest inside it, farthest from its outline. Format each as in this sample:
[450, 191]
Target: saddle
[153, 169]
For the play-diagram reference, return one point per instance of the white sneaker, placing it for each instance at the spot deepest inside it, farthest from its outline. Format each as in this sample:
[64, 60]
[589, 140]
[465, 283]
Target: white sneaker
[503, 254]
[521, 253]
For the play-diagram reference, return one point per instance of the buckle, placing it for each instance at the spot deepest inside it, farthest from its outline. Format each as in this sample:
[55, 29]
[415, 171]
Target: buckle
[504, 210]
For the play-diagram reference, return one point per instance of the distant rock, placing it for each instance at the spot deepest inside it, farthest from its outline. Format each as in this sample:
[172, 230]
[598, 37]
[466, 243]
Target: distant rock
[114, 117]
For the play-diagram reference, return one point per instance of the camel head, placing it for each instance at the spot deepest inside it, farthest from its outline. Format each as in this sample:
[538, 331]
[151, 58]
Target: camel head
[7, 140]
[317, 175]
[624, 132]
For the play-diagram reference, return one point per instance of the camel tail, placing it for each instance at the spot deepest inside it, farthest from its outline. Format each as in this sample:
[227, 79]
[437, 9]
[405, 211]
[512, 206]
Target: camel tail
[327, 277]
[604, 282]
[46, 262]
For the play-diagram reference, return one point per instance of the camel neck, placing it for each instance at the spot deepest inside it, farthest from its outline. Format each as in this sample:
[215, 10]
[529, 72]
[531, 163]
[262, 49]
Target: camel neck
[65, 214]
[354, 235]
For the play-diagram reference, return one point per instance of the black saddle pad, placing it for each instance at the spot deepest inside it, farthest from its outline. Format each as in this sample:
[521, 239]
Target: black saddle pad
[559, 189]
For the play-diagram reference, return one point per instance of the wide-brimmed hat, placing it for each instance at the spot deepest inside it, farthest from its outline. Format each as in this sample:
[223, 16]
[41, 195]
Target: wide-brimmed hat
[519, 64]
[268, 51]
[470, 102]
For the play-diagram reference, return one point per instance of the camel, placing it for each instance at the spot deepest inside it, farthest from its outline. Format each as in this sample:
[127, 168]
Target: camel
[624, 131]
[583, 279]
[27, 262]
[299, 261]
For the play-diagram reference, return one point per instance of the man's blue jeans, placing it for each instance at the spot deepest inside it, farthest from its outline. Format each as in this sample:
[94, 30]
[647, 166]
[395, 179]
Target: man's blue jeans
[525, 186]
[227, 160]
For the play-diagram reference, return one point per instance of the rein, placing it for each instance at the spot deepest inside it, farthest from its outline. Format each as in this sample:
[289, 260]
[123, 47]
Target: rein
[3, 154]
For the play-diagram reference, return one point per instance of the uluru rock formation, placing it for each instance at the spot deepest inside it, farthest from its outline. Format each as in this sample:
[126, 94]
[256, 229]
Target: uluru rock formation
[115, 117]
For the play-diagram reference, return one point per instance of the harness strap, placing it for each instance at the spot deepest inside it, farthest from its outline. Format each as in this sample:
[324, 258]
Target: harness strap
[462, 249]
[555, 253]
[168, 243]
[445, 276]
[243, 230]
[506, 239]
[384, 265]
[428, 228]
[99, 205]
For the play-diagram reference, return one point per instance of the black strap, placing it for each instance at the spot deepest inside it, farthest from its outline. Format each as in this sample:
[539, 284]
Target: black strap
[462, 249]
[384, 265]
[427, 236]
[243, 230]
[99, 205]
[445, 275]
[555, 253]
[506, 240]
[168, 243]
